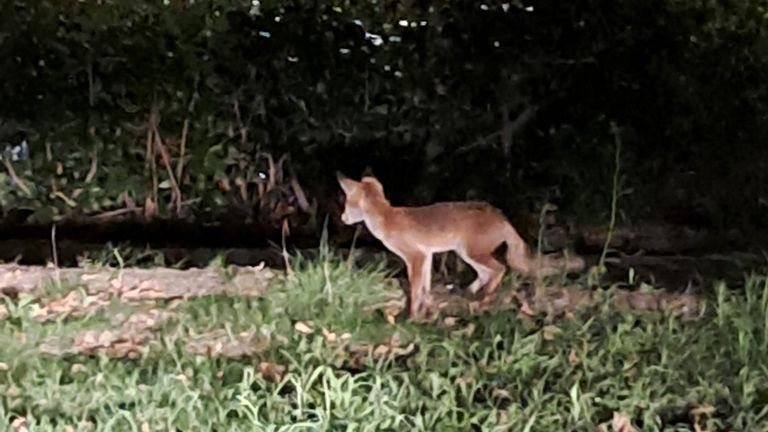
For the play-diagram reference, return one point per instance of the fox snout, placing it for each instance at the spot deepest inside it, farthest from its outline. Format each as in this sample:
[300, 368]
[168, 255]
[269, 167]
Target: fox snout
[345, 218]
[352, 215]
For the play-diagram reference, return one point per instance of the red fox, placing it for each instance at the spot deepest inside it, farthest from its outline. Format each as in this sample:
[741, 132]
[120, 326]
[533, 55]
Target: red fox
[472, 229]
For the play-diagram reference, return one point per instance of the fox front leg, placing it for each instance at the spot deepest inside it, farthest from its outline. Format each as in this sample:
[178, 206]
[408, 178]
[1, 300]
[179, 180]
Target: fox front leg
[419, 274]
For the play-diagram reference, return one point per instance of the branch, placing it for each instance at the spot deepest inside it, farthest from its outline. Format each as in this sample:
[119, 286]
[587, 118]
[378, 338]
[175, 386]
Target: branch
[16, 180]
[509, 129]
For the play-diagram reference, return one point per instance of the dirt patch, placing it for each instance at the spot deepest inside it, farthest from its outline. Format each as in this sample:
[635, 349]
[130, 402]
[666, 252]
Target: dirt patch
[92, 290]
[129, 336]
[220, 343]
[553, 301]
[138, 283]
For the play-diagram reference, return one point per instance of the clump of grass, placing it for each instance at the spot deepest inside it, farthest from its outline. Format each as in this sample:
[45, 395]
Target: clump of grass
[328, 289]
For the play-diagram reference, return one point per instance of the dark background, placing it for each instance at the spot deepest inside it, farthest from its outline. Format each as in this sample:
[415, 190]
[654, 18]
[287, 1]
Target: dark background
[518, 103]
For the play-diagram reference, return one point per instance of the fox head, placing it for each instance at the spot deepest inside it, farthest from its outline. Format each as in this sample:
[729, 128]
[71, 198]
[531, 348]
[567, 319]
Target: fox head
[359, 196]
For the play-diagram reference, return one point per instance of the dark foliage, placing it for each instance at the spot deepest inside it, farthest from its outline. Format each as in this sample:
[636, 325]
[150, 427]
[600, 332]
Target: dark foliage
[507, 101]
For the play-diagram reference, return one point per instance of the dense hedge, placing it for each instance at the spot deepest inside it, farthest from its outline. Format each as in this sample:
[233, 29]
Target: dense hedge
[509, 101]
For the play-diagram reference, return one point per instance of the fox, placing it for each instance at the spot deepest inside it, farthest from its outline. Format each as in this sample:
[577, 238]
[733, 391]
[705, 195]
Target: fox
[474, 230]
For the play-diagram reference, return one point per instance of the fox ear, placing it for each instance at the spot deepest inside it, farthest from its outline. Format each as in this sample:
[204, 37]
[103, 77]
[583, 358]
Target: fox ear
[347, 184]
[368, 172]
[373, 181]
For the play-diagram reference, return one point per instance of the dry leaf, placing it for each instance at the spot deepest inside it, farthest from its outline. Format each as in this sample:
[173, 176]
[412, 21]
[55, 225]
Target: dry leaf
[142, 321]
[329, 335]
[410, 348]
[19, 424]
[13, 392]
[183, 378]
[465, 380]
[142, 291]
[114, 343]
[391, 348]
[703, 410]
[450, 321]
[303, 328]
[73, 303]
[502, 418]
[621, 423]
[697, 428]
[501, 394]
[271, 371]
[357, 355]
[384, 350]
[150, 209]
[477, 307]
[573, 358]
[219, 343]
[631, 373]
[466, 331]
[394, 340]
[525, 308]
[549, 332]
[391, 315]
[380, 351]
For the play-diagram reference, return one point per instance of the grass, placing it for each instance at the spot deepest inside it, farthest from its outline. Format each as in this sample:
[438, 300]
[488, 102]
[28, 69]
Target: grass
[493, 372]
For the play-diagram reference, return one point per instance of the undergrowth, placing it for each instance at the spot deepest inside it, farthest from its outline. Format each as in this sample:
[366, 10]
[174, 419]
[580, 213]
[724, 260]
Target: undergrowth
[497, 371]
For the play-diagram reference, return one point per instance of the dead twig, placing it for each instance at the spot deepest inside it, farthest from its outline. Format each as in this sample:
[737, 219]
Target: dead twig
[240, 126]
[55, 253]
[130, 209]
[286, 231]
[511, 128]
[151, 151]
[15, 178]
[94, 167]
[272, 181]
[506, 133]
[182, 150]
[119, 212]
[66, 199]
[176, 199]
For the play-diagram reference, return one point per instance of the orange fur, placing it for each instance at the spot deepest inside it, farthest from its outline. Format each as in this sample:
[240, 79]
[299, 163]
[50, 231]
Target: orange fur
[472, 229]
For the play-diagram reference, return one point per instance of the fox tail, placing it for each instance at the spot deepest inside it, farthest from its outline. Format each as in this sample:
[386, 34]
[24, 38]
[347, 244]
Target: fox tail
[520, 258]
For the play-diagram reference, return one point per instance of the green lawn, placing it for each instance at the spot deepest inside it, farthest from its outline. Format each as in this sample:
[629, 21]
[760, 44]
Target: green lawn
[315, 357]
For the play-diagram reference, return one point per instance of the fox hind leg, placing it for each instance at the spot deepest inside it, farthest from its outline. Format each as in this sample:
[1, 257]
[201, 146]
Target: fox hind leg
[496, 277]
[483, 272]
[496, 274]
[489, 271]
[483, 276]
